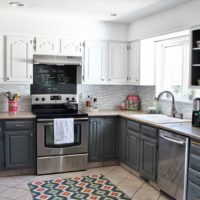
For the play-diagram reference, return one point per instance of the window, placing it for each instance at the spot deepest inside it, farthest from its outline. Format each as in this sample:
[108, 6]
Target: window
[172, 65]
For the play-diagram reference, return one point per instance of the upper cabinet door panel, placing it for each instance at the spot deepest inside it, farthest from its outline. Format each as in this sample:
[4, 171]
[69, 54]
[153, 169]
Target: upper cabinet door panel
[134, 63]
[19, 59]
[95, 61]
[117, 62]
[47, 46]
[1, 59]
[71, 47]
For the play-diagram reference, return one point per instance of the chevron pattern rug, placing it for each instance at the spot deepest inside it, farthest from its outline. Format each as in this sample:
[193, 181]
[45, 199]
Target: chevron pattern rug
[94, 187]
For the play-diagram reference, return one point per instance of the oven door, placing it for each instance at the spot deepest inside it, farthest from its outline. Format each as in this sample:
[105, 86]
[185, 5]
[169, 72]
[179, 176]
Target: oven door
[45, 138]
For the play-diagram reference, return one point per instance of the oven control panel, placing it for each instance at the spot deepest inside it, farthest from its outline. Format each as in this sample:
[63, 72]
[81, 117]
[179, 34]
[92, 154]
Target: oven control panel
[54, 98]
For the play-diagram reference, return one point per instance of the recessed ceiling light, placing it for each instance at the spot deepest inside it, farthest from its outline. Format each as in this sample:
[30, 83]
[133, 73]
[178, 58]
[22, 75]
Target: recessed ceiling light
[113, 14]
[16, 3]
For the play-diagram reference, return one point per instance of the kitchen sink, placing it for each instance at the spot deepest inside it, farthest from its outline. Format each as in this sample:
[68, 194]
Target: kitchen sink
[159, 118]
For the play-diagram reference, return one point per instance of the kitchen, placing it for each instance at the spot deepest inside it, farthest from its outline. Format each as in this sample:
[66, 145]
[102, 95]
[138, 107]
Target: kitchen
[112, 58]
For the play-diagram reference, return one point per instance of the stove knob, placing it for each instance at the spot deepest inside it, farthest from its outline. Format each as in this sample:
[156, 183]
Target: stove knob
[43, 99]
[36, 99]
[73, 99]
[67, 98]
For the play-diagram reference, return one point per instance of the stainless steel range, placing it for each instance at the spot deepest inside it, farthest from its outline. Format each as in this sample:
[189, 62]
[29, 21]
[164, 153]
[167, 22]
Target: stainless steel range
[51, 157]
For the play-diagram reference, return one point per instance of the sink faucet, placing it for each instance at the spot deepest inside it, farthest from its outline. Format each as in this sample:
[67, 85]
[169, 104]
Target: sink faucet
[173, 110]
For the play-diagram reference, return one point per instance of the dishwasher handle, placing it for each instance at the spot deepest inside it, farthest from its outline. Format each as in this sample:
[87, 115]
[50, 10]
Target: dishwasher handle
[172, 139]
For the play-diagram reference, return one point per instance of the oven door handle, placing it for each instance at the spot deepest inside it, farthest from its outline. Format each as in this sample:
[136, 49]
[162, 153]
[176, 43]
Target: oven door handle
[50, 120]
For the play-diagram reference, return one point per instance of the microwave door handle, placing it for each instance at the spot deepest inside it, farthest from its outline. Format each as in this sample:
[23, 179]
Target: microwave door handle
[172, 140]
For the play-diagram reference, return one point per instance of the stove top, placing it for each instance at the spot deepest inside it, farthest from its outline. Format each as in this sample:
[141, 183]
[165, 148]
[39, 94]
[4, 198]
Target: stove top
[56, 106]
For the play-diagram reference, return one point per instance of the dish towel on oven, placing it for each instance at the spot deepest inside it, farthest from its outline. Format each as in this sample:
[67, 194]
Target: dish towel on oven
[63, 130]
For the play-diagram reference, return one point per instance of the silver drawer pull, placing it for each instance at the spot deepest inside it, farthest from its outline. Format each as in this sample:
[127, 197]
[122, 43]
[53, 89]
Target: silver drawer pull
[19, 125]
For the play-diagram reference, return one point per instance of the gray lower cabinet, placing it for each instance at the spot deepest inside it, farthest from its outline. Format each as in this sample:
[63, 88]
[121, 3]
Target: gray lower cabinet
[109, 139]
[133, 145]
[102, 139]
[122, 140]
[95, 139]
[19, 144]
[148, 152]
[193, 192]
[2, 151]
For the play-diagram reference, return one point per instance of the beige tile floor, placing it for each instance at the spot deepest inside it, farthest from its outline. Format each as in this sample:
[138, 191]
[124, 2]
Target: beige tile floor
[134, 187]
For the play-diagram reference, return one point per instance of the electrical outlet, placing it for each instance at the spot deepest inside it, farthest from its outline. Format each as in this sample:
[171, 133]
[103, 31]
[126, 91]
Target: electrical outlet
[80, 96]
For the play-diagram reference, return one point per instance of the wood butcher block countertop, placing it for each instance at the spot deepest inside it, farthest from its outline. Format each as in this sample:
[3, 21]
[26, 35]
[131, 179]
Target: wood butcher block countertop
[18, 115]
[182, 128]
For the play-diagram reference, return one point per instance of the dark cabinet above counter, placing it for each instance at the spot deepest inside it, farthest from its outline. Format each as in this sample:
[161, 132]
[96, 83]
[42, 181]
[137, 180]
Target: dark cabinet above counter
[195, 58]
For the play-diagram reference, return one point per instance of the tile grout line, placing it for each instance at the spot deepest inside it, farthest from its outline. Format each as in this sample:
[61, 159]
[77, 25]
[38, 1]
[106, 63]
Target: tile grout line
[138, 189]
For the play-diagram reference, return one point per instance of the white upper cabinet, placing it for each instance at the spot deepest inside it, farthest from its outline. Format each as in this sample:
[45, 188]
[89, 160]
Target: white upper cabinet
[47, 45]
[1, 60]
[96, 61]
[117, 69]
[19, 59]
[134, 63]
[71, 47]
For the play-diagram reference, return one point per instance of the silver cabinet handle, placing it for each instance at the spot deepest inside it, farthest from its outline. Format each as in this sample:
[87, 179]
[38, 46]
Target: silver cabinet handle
[109, 79]
[172, 140]
[31, 134]
[7, 78]
[19, 125]
[102, 79]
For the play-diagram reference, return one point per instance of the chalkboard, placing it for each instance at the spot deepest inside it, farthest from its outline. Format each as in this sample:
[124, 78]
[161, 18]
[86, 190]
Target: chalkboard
[54, 79]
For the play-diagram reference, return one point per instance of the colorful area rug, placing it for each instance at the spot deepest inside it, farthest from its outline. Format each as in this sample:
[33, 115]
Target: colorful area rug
[94, 187]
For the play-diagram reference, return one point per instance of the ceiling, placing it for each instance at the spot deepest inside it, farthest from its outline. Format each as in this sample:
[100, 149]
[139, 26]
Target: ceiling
[126, 10]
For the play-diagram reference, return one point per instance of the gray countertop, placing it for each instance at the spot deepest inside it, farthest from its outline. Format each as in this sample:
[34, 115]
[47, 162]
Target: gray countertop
[183, 128]
[18, 115]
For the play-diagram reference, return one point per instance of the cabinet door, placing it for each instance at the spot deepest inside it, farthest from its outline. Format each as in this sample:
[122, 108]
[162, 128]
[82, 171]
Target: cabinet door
[133, 149]
[148, 158]
[19, 59]
[134, 63]
[19, 149]
[1, 60]
[110, 139]
[2, 151]
[95, 62]
[122, 140]
[48, 46]
[71, 47]
[118, 56]
[193, 191]
[95, 140]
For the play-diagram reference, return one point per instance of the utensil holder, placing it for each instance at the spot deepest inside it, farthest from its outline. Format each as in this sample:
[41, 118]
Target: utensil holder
[13, 106]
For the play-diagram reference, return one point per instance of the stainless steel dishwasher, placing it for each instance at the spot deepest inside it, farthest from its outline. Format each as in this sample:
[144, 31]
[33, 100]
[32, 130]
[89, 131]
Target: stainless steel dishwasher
[172, 164]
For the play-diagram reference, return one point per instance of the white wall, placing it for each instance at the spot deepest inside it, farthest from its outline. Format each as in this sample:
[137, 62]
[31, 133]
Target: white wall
[59, 26]
[177, 18]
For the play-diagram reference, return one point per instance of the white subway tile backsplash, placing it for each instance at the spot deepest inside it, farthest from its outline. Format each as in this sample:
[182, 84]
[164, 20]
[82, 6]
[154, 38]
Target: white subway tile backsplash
[108, 97]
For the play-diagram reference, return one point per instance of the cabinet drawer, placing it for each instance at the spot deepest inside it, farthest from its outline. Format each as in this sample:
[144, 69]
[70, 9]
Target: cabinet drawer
[149, 132]
[193, 191]
[195, 149]
[133, 126]
[18, 125]
[194, 177]
[195, 163]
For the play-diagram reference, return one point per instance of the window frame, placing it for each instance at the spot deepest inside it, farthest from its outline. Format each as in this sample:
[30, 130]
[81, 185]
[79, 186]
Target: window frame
[160, 46]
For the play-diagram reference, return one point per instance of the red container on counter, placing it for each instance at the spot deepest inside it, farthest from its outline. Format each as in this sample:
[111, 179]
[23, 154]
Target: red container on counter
[13, 106]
